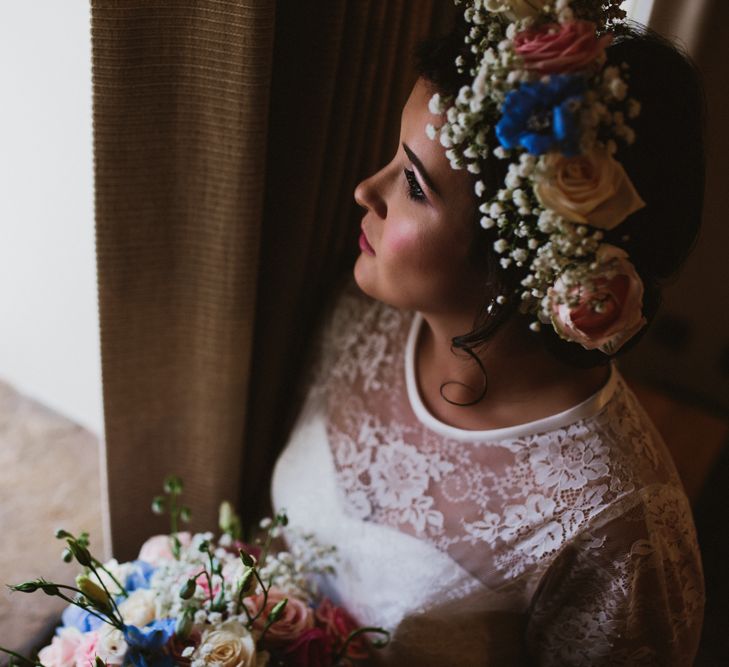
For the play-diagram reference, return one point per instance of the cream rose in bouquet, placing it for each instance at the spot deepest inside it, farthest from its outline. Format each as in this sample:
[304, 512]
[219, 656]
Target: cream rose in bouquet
[199, 600]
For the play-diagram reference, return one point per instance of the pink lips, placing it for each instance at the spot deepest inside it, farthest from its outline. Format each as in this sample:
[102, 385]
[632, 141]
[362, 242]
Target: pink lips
[365, 246]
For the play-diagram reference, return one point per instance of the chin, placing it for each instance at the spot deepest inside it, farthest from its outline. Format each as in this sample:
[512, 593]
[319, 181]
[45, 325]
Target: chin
[364, 276]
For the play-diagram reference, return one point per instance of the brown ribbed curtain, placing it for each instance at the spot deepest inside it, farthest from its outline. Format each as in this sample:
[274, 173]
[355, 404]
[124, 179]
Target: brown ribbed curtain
[228, 138]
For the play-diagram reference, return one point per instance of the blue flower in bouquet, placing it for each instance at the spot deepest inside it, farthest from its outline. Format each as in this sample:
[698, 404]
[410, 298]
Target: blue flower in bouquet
[146, 644]
[543, 115]
[140, 576]
[75, 617]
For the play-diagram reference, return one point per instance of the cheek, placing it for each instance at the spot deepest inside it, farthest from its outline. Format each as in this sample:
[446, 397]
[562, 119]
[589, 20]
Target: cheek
[410, 247]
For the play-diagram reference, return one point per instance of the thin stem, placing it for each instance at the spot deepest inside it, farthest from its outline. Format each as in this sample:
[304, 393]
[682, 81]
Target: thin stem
[173, 521]
[21, 657]
[270, 621]
[114, 579]
[106, 619]
[240, 604]
[265, 596]
[210, 584]
[343, 651]
[106, 590]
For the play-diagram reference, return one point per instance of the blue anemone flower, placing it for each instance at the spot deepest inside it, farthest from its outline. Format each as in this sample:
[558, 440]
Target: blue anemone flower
[543, 115]
[146, 644]
[140, 576]
[75, 617]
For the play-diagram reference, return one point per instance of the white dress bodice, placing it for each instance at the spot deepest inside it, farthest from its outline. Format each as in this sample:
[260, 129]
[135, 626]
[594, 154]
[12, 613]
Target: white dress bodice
[566, 540]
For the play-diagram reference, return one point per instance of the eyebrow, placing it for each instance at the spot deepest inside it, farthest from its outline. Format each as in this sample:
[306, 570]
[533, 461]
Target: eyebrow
[416, 161]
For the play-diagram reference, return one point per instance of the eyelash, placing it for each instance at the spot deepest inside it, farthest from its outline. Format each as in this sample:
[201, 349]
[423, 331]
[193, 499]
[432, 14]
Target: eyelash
[415, 192]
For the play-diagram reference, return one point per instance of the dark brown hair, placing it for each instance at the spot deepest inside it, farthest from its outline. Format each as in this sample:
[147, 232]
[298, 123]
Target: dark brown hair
[666, 165]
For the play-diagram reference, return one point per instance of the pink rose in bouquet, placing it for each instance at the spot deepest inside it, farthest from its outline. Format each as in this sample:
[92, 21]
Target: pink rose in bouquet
[63, 649]
[297, 616]
[87, 650]
[158, 549]
[313, 648]
[338, 625]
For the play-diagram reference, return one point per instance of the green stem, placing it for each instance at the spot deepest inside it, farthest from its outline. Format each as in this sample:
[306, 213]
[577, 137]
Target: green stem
[265, 596]
[269, 623]
[343, 651]
[114, 579]
[173, 523]
[245, 609]
[21, 657]
[106, 590]
[106, 619]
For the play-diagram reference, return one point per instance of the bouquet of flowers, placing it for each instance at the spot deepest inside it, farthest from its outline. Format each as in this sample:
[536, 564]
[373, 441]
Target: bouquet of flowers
[196, 600]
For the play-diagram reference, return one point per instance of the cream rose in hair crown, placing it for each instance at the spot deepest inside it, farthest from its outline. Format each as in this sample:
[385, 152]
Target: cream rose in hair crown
[541, 85]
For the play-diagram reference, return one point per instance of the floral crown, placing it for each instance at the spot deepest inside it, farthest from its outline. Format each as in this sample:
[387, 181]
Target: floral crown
[542, 85]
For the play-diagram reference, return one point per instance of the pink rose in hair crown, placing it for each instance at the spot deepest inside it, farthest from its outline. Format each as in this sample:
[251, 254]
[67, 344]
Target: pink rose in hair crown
[516, 9]
[297, 616]
[603, 313]
[557, 48]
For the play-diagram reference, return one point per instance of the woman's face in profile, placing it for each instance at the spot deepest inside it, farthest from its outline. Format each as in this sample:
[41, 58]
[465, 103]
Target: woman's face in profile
[419, 223]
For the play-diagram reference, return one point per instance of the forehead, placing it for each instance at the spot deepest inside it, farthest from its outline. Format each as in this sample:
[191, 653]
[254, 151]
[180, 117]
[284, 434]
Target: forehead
[415, 117]
[415, 114]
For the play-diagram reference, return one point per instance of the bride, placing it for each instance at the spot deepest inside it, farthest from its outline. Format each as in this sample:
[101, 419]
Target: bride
[495, 491]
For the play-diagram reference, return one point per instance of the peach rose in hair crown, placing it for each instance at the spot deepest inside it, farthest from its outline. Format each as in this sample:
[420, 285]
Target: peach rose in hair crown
[603, 312]
[590, 189]
[516, 9]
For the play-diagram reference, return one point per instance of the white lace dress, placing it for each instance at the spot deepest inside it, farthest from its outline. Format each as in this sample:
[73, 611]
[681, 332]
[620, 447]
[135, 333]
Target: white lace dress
[563, 541]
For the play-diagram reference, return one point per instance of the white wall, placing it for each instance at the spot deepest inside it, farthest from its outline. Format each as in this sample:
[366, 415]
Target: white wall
[638, 10]
[49, 341]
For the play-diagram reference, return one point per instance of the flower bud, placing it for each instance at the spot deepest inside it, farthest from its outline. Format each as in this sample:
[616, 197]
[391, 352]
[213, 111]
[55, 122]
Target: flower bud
[225, 515]
[183, 626]
[277, 611]
[248, 582]
[26, 587]
[50, 589]
[158, 504]
[62, 534]
[80, 553]
[93, 592]
[187, 590]
[173, 484]
[246, 558]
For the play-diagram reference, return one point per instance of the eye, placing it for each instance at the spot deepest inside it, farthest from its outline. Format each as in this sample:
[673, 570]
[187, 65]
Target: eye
[415, 192]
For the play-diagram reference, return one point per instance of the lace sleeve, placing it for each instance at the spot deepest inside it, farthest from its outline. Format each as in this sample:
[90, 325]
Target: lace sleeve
[628, 592]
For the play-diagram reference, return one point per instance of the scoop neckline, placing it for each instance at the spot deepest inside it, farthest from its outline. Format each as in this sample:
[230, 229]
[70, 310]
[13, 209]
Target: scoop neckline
[583, 410]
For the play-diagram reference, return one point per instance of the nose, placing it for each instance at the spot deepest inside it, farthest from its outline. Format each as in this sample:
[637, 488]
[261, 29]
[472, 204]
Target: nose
[368, 194]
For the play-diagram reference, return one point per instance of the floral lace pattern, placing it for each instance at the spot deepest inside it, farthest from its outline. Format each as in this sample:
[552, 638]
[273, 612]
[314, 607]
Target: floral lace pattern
[585, 525]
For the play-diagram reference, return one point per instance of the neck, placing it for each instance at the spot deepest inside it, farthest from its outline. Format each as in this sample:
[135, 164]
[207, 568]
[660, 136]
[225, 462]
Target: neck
[524, 381]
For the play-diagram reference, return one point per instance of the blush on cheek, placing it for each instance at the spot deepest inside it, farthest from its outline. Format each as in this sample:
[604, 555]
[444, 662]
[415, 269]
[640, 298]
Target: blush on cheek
[402, 242]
